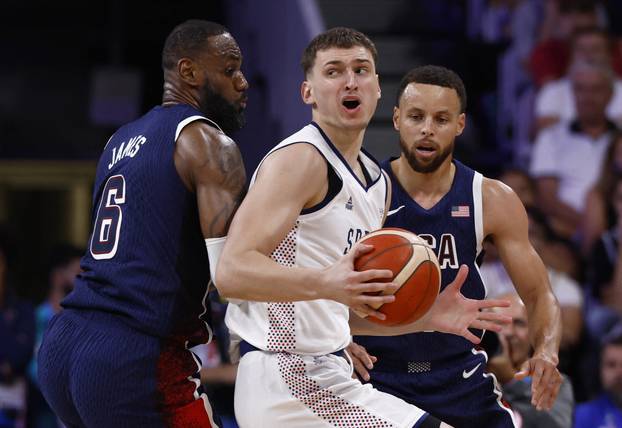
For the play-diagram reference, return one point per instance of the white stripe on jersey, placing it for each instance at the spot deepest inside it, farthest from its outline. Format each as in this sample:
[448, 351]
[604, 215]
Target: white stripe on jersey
[191, 119]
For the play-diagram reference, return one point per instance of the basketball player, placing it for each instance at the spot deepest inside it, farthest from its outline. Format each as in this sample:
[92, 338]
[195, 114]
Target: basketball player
[118, 356]
[312, 197]
[454, 208]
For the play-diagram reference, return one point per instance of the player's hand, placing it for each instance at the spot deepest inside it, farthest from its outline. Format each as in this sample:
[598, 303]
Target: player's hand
[364, 292]
[453, 313]
[545, 379]
[361, 359]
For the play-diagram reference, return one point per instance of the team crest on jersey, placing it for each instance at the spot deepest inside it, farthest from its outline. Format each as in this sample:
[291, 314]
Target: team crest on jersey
[349, 204]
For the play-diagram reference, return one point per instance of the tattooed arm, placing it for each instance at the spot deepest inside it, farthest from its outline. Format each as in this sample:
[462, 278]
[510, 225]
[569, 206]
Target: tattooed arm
[210, 165]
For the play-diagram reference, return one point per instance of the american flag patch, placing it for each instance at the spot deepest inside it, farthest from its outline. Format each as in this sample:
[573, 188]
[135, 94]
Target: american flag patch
[460, 211]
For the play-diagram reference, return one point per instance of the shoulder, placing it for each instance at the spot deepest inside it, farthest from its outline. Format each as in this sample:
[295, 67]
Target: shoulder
[497, 192]
[299, 156]
[203, 152]
[203, 143]
[501, 206]
[294, 165]
[201, 134]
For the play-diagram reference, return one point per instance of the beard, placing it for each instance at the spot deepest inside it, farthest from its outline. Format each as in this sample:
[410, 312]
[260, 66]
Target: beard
[229, 117]
[428, 166]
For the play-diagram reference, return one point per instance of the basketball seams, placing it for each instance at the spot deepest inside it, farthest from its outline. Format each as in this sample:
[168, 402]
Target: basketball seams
[421, 255]
[403, 275]
[427, 283]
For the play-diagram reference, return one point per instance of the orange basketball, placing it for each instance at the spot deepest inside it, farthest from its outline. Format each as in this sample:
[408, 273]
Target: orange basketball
[414, 266]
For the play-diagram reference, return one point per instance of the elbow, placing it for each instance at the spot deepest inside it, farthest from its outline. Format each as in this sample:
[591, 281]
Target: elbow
[224, 281]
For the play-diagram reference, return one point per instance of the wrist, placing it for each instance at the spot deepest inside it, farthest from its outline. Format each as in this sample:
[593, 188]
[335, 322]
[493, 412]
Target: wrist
[547, 355]
[317, 283]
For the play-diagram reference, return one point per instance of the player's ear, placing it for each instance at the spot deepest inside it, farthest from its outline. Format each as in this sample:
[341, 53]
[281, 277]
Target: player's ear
[461, 124]
[379, 88]
[306, 93]
[187, 71]
[396, 118]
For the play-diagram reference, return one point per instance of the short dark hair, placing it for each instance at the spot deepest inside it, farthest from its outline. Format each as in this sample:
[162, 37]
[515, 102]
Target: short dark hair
[577, 6]
[187, 39]
[613, 336]
[338, 37]
[434, 75]
[590, 31]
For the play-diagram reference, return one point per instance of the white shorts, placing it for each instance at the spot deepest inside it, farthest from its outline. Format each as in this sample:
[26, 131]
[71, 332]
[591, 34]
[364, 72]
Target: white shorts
[286, 390]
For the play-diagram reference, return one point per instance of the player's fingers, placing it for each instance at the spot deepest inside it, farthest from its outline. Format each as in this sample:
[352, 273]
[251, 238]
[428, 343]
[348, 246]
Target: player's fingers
[359, 366]
[460, 278]
[360, 249]
[486, 325]
[375, 302]
[548, 395]
[536, 377]
[524, 371]
[358, 351]
[548, 386]
[371, 274]
[365, 311]
[492, 303]
[499, 319]
[471, 337]
[553, 396]
[376, 287]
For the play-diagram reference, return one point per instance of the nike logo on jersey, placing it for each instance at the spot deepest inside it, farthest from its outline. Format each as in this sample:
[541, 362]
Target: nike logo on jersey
[391, 212]
[468, 374]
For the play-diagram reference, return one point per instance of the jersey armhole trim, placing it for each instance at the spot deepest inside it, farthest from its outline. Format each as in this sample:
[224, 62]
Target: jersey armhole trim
[181, 125]
[335, 182]
[478, 215]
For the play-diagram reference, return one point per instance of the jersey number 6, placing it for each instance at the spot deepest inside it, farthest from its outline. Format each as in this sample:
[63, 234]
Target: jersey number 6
[107, 227]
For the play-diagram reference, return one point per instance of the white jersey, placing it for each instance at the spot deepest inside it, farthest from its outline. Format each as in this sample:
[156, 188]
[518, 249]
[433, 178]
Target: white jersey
[318, 239]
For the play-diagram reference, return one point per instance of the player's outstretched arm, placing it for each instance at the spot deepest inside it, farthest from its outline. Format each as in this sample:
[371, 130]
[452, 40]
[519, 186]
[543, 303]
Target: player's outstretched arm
[289, 180]
[505, 220]
[451, 313]
[209, 163]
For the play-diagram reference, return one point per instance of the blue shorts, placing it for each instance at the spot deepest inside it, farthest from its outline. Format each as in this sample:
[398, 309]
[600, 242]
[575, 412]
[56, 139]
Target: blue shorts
[457, 391]
[95, 371]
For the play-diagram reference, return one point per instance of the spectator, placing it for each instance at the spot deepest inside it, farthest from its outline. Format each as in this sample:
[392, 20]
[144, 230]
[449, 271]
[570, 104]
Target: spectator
[567, 157]
[606, 410]
[555, 100]
[522, 184]
[512, 351]
[562, 18]
[17, 330]
[605, 265]
[599, 205]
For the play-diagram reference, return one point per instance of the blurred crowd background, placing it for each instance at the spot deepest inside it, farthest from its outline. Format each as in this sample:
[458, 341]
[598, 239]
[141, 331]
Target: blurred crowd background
[544, 87]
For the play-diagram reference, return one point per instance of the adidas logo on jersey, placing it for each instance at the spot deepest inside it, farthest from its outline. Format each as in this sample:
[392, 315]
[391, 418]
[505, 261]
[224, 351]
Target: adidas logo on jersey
[349, 204]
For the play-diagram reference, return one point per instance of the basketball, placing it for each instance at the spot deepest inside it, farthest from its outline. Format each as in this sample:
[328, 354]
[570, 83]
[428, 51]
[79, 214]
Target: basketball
[415, 269]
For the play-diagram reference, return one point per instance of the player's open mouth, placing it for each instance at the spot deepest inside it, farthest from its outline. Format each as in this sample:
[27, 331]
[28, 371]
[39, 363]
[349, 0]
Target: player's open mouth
[425, 151]
[351, 103]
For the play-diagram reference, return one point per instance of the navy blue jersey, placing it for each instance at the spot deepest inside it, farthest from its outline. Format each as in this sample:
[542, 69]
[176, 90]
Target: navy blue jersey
[146, 261]
[454, 229]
